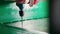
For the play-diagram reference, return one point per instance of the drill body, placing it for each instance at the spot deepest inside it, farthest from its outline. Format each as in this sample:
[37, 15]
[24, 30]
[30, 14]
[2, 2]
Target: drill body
[21, 9]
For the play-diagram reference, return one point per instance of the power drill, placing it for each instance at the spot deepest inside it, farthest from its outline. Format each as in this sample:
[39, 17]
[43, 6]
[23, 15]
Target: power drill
[21, 13]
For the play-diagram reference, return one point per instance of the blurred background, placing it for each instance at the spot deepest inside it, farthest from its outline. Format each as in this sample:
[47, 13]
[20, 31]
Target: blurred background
[35, 18]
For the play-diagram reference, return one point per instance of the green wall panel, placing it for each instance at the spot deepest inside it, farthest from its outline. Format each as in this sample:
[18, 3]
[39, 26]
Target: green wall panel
[9, 12]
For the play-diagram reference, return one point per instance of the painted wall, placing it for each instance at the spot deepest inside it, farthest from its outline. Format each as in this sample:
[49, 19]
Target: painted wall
[9, 12]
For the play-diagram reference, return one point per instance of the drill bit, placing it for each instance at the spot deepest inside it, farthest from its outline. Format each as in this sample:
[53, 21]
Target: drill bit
[21, 15]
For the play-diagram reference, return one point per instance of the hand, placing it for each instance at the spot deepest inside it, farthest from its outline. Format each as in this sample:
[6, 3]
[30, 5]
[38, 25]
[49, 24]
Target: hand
[32, 2]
